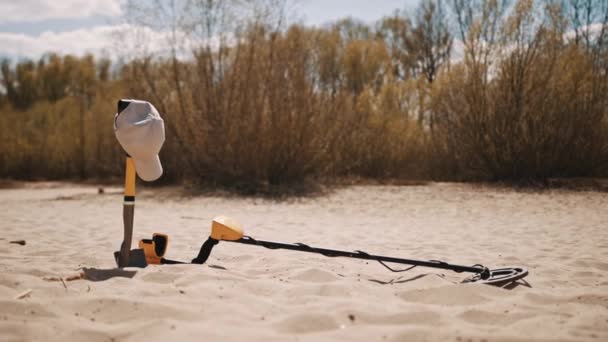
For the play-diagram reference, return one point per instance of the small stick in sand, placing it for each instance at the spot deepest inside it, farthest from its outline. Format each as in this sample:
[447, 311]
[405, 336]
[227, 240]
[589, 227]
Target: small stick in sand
[24, 294]
[18, 242]
[79, 275]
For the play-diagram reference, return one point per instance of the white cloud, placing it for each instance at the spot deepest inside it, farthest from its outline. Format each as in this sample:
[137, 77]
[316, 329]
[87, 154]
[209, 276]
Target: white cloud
[114, 41]
[37, 10]
[78, 42]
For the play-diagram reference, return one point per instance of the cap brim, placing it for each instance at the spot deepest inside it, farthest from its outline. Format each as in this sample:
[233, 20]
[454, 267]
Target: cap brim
[148, 169]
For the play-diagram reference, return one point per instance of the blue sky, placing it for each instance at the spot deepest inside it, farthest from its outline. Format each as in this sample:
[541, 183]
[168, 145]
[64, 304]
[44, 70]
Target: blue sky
[28, 28]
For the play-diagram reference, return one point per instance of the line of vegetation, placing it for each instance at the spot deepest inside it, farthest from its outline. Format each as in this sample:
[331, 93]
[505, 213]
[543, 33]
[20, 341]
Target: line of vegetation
[462, 90]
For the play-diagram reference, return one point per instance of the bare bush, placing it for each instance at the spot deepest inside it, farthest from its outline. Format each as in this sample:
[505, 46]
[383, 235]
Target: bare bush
[253, 102]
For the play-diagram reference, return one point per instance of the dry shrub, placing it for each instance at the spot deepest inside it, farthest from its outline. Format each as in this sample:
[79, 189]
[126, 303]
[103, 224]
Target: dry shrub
[541, 115]
[247, 115]
[44, 143]
[261, 114]
[380, 138]
[273, 106]
[274, 127]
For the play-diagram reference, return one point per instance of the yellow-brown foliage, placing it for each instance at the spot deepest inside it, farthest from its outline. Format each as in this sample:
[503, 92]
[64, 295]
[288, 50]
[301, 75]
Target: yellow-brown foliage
[278, 106]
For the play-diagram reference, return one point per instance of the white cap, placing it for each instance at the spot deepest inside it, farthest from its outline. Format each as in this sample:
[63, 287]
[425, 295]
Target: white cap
[141, 132]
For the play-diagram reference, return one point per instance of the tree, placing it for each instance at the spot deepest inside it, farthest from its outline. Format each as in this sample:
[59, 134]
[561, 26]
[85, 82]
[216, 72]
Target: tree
[8, 80]
[396, 31]
[430, 41]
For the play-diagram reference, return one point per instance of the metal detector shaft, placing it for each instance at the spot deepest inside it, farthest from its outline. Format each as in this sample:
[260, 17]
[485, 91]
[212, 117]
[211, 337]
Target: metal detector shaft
[359, 255]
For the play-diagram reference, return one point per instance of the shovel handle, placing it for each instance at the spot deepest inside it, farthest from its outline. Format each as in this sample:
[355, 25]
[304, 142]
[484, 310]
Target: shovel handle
[128, 210]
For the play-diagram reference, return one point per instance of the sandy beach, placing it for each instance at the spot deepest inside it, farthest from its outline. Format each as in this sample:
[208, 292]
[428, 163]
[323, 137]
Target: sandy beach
[255, 294]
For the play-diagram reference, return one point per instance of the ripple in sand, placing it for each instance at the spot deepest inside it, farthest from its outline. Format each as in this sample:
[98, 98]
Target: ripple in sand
[446, 295]
[88, 335]
[326, 290]
[118, 310]
[586, 299]
[492, 318]
[24, 309]
[307, 323]
[602, 266]
[410, 317]
[159, 277]
[315, 275]
[7, 292]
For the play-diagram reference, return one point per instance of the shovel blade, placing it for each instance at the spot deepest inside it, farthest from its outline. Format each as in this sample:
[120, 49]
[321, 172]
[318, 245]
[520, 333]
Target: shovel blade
[137, 258]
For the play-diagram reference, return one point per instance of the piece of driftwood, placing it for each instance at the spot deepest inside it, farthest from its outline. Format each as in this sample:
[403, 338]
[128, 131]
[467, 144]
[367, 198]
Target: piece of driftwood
[94, 274]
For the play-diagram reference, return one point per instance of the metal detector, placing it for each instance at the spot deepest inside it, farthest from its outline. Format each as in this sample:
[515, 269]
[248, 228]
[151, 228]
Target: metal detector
[226, 229]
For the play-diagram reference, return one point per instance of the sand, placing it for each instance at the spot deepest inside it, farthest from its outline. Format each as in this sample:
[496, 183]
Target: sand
[247, 293]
